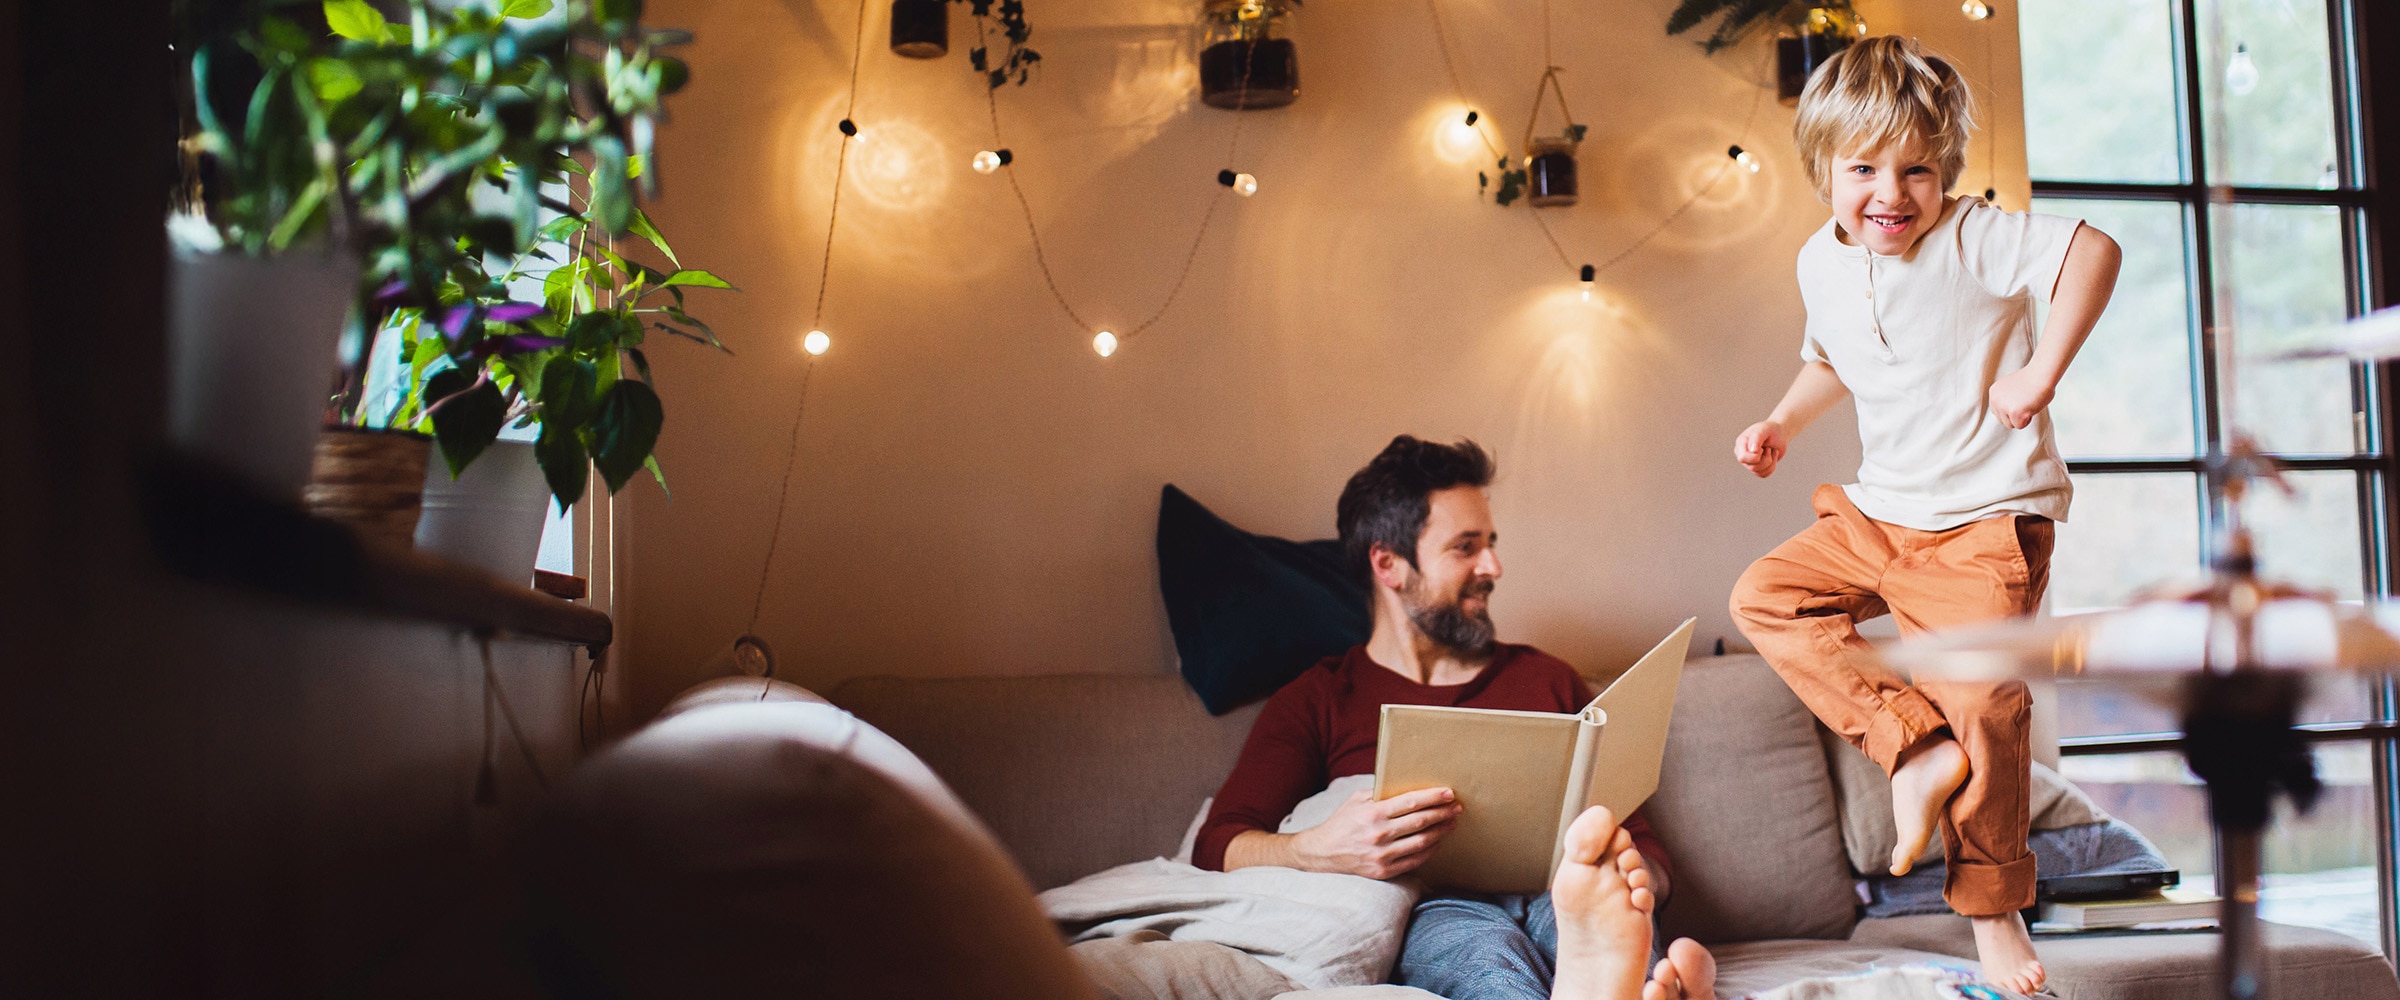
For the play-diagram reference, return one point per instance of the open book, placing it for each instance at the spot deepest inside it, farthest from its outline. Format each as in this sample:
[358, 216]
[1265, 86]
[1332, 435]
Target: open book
[1524, 776]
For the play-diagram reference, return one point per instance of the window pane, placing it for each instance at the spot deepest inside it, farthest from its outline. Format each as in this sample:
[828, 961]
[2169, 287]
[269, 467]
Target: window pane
[2106, 708]
[2124, 534]
[2310, 538]
[2285, 266]
[2320, 868]
[2129, 393]
[2273, 59]
[2100, 90]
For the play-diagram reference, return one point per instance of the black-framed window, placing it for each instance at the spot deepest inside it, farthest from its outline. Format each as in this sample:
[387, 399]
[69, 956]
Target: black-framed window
[2134, 109]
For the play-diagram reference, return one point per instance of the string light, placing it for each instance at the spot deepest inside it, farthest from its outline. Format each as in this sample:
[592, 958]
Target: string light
[1242, 184]
[992, 159]
[816, 342]
[1471, 116]
[1105, 344]
[1590, 273]
[2241, 75]
[1743, 157]
[849, 128]
[1976, 10]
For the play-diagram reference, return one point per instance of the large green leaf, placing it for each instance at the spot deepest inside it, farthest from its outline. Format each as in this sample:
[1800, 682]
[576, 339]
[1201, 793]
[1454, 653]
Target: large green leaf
[524, 8]
[701, 279]
[625, 431]
[612, 199]
[564, 465]
[465, 424]
[356, 20]
[641, 226]
[569, 388]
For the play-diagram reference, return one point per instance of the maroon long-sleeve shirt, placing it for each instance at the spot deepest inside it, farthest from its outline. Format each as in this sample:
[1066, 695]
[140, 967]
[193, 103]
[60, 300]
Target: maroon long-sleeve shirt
[1324, 724]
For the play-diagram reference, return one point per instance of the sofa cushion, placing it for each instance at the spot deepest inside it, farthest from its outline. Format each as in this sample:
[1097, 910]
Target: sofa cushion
[1073, 773]
[1864, 796]
[1250, 612]
[778, 849]
[1745, 807]
[2301, 961]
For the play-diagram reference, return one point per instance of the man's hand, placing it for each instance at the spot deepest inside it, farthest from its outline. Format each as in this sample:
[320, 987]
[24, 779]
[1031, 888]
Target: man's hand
[2019, 396]
[1378, 839]
[1761, 447]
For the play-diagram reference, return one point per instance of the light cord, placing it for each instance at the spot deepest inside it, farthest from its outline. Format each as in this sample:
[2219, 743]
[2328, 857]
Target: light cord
[1441, 36]
[1191, 256]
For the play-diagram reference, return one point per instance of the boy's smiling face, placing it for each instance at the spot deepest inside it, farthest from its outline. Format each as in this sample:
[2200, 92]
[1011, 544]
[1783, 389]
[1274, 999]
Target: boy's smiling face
[1886, 199]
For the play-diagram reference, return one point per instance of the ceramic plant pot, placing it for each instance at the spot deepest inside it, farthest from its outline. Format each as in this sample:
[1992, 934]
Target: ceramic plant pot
[252, 360]
[492, 515]
[369, 480]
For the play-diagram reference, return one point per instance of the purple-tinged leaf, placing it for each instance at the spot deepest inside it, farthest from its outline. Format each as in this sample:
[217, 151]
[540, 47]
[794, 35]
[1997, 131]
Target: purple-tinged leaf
[455, 320]
[513, 312]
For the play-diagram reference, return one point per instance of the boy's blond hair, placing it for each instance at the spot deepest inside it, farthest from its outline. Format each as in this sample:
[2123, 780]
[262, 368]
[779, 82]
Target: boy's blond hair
[1879, 92]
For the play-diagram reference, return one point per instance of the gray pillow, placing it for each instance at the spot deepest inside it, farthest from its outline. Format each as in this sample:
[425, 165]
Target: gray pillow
[1745, 811]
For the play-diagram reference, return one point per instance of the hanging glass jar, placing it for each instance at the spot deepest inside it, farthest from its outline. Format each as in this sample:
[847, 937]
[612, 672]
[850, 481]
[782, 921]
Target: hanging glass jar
[1247, 60]
[1550, 172]
[921, 28]
[1818, 33]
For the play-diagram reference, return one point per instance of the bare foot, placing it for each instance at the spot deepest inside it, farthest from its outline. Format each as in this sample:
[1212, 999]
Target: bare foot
[1602, 897]
[1923, 783]
[2007, 953]
[1688, 972]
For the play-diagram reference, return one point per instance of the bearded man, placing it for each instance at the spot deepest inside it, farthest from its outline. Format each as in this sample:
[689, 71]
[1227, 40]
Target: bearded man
[1419, 521]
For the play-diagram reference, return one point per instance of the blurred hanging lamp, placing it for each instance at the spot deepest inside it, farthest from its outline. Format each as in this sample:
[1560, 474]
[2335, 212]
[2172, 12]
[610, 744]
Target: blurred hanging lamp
[921, 28]
[1247, 60]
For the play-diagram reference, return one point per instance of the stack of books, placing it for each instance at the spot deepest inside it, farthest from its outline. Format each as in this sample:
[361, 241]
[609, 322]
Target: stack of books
[2159, 909]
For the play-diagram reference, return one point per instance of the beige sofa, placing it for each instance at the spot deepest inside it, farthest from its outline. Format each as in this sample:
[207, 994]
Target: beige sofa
[1069, 775]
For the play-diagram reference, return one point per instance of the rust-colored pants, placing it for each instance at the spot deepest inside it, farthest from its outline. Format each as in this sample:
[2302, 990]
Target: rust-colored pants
[1801, 605]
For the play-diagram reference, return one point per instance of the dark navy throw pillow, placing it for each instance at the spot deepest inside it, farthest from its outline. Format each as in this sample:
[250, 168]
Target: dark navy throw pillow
[1251, 612]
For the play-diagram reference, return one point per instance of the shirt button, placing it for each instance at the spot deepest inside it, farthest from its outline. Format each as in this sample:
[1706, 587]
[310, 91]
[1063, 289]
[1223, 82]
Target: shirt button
[1870, 293]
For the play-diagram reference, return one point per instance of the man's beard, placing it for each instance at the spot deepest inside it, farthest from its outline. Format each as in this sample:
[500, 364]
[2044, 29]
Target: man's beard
[1448, 622]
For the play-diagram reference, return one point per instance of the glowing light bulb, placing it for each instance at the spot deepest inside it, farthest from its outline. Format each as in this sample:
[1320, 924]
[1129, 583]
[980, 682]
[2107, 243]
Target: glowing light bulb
[816, 342]
[985, 162]
[1105, 344]
[1976, 10]
[1589, 273]
[1744, 157]
[1245, 185]
[2241, 75]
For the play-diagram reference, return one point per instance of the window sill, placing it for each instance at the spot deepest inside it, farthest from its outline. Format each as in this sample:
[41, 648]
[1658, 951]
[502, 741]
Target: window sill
[206, 526]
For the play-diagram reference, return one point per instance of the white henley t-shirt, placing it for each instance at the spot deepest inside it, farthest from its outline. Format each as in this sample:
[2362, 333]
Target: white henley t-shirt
[1919, 339]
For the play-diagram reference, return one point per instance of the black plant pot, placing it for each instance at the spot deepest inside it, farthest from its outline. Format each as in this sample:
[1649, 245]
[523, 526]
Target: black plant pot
[1550, 177]
[1797, 58]
[1273, 67]
[921, 28]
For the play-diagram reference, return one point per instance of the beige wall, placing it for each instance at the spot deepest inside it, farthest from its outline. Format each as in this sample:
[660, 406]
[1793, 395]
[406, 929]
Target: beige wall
[976, 489]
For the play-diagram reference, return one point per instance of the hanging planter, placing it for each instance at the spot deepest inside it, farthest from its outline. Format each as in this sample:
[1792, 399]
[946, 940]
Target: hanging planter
[1815, 36]
[1547, 178]
[1246, 62]
[921, 28]
[1813, 32]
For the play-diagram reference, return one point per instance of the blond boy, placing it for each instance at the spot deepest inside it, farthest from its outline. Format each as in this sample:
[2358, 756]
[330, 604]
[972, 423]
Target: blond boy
[1921, 307]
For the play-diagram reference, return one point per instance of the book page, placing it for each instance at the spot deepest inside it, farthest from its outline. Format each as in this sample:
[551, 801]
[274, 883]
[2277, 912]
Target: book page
[1510, 772]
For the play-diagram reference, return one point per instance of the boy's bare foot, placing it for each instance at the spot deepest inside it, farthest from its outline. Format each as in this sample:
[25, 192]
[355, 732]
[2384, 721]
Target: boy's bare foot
[1923, 783]
[1602, 898]
[1688, 972]
[2007, 953]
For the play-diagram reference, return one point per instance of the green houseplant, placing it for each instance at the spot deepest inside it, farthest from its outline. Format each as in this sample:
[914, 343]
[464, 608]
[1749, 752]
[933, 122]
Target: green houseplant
[455, 153]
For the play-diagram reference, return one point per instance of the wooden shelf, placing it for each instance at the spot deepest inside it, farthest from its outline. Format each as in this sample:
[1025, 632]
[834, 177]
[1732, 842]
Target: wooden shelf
[207, 526]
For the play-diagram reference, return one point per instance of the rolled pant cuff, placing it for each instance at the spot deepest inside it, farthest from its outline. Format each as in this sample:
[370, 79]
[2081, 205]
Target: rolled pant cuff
[1904, 718]
[1987, 890]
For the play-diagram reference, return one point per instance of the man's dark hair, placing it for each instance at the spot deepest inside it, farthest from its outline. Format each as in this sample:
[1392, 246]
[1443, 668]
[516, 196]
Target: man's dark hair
[1386, 502]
